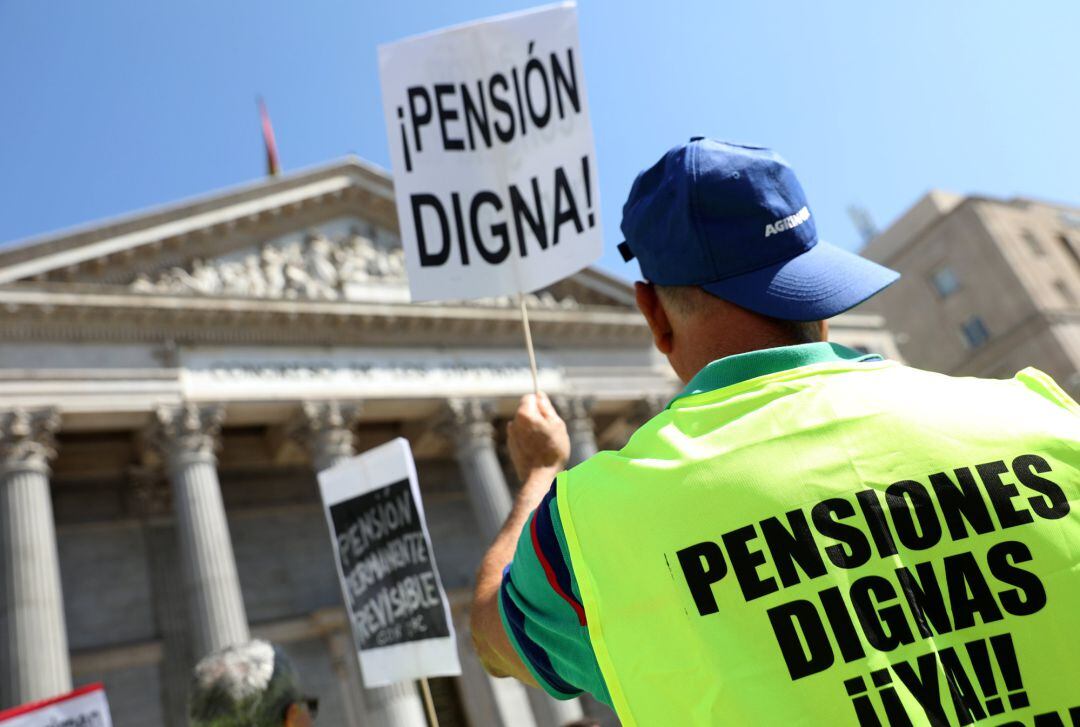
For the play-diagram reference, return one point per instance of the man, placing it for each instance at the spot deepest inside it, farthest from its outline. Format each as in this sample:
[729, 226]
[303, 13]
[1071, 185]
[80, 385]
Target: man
[806, 535]
[248, 685]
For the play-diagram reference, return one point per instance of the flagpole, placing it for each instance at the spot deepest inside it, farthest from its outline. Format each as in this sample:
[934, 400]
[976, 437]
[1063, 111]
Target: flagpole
[273, 166]
[529, 342]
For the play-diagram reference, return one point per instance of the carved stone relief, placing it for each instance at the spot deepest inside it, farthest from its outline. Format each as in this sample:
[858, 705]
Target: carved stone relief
[318, 267]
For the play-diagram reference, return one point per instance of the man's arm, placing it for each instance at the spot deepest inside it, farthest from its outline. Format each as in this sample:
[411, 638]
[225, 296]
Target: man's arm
[539, 448]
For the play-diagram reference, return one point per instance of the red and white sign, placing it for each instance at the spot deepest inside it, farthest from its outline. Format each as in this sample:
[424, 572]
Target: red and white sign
[85, 707]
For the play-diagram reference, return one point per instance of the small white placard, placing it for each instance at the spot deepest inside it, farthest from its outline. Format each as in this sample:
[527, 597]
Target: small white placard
[84, 707]
[398, 610]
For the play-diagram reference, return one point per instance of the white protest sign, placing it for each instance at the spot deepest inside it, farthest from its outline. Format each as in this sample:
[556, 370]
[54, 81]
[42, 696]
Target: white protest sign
[492, 148]
[85, 707]
[398, 611]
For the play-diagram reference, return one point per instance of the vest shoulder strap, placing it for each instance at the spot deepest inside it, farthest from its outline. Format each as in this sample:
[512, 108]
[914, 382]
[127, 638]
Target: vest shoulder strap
[1043, 385]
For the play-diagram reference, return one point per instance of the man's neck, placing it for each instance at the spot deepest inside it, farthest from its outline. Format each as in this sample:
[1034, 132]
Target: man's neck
[722, 348]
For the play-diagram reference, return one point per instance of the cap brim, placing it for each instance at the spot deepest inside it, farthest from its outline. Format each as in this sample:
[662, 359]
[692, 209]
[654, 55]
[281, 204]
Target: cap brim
[822, 282]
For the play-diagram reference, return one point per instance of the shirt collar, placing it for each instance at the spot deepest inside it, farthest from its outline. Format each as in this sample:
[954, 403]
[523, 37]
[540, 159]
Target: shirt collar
[744, 366]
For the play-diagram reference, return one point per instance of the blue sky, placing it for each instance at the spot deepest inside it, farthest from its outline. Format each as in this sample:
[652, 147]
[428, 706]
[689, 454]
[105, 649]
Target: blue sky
[108, 107]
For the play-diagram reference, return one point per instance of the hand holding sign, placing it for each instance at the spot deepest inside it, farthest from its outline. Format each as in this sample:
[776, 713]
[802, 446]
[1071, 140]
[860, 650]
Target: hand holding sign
[493, 153]
[537, 437]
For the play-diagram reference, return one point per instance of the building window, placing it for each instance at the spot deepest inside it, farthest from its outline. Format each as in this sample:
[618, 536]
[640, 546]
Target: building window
[975, 332]
[1070, 250]
[1064, 291]
[945, 282]
[1033, 243]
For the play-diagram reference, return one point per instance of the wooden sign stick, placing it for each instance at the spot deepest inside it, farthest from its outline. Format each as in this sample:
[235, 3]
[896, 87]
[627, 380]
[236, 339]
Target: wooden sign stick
[429, 703]
[528, 342]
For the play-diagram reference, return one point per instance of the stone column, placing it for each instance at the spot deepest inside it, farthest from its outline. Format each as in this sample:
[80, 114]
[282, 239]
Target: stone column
[347, 668]
[473, 434]
[151, 502]
[186, 437]
[474, 440]
[325, 431]
[486, 700]
[576, 411]
[34, 659]
[616, 434]
[646, 408]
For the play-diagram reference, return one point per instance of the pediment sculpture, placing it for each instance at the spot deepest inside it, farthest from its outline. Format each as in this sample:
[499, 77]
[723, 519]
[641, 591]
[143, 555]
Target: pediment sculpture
[317, 267]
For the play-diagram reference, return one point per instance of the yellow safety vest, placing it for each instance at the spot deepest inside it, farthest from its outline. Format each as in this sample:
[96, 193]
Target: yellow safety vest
[841, 543]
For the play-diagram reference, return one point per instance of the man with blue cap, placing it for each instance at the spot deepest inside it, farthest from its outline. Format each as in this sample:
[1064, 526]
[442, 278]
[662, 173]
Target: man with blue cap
[806, 534]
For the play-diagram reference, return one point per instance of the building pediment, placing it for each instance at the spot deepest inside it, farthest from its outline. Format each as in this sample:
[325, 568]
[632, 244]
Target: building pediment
[114, 251]
[326, 234]
[343, 259]
[347, 259]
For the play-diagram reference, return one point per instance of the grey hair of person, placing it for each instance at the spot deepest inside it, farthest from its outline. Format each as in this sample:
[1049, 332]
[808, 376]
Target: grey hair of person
[690, 299]
[244, 685]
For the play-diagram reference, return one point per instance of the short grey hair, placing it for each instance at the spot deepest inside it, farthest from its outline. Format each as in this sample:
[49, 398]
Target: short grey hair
[245, 685]
[689, 299]
[682, 299]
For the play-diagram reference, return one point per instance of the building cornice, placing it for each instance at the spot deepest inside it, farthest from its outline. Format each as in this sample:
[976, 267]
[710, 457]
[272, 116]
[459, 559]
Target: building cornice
[103, 313]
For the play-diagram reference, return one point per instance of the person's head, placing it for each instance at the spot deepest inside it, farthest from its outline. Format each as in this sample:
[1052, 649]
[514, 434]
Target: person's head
[729, 248]
[248, 685]
[692, 327]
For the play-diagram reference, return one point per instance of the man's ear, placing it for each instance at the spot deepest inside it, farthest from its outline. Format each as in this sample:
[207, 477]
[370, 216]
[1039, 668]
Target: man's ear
[650, 305]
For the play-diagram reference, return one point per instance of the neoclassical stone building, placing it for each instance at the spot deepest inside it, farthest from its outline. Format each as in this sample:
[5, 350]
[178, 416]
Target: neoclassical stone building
[171, 381]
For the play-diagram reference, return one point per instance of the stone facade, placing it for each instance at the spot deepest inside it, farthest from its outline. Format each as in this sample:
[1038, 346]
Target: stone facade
[171, 382]
[989, 286]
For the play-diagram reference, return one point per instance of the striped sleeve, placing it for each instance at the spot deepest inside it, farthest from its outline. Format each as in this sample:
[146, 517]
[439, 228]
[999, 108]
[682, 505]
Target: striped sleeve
[542, 611]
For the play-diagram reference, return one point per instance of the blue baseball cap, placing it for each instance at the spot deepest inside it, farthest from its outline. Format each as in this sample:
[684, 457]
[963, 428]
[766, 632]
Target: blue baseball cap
[733, 220]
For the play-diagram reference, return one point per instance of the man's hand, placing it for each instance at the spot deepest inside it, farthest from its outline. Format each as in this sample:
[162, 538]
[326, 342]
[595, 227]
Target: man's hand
[539, 447]
[537, 437]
